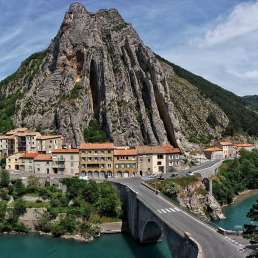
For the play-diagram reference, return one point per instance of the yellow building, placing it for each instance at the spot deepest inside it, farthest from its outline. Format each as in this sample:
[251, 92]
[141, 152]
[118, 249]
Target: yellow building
[125, 162]
[13, 162]
[96, 160]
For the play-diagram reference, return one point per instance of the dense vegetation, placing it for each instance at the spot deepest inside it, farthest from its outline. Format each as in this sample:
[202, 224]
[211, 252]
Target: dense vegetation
[171, 187]
[251, 102]
[27, 71]
[236, 176]
[78, 210]
[251, 230]
[242, 119]
[94, 133]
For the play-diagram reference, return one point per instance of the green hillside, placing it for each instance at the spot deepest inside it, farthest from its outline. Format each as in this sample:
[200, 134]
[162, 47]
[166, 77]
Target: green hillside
[251, 102]
[242, 119]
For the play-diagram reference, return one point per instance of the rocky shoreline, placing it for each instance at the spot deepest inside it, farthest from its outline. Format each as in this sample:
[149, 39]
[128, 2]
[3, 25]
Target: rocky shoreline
[106, 228]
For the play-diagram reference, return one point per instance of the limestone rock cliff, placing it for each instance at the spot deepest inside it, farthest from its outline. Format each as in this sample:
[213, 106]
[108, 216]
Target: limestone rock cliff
[196, 199]
[97, 67]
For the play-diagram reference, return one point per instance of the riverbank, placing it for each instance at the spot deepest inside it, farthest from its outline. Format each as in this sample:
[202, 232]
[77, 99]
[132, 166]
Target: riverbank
[105, 228]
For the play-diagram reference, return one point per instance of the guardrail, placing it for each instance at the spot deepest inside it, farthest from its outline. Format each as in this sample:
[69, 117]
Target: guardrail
[194, 215]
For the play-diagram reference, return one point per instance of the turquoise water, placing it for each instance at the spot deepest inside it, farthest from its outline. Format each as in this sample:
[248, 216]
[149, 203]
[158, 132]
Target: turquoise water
[236, 214]
[109, 246]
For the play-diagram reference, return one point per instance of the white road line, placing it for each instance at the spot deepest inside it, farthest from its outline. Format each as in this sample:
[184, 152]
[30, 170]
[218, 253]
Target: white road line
[163, 210]
[159, 211]
[176, 209]
[168, 210]
[173, 210]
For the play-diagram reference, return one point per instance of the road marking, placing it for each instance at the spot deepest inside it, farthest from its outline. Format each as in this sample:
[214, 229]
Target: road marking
[168, 210]
[163, 210]
[176, 209]
[159, 211]
[172, 209]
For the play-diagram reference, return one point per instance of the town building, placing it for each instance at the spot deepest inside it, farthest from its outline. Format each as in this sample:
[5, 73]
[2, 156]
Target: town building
[27, 162]
[157, 159]
[13, 162]
[96, 160]
[228, 150]
[66, 162]
[244, 146]
[125, 162]
[214, 153]
[46, 143]
[7, 145]
[43, 164]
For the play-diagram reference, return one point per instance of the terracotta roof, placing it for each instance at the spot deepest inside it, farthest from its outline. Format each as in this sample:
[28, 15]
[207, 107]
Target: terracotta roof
[213, 149]
[97, 146]
[225, 143]
[43, 157]
[163, 149]
[244, 145]
[65, 151]
[125, 152]
[46, 137]
[6, 137]
[16, 130]
[29, 155]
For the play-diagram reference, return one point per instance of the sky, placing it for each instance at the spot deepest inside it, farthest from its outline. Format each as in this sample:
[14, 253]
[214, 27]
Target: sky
[215, 39]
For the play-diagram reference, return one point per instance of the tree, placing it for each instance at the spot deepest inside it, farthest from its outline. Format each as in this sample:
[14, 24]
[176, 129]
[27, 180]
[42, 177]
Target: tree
[19, 209]
[4, 178]
[94, 133]
[18, 188]
[251, 231]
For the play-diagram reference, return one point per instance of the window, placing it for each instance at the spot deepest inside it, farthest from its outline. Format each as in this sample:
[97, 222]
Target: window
[47, 170]
[71, 157]
[148, 160]
[159, 163]
[160, 156]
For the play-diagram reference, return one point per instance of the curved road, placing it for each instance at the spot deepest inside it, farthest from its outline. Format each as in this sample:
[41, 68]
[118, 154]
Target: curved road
[214, 245]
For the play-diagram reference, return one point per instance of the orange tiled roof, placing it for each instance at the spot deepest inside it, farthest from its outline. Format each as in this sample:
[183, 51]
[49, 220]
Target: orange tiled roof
[244, 145]
[46, 137]
[125, 152]
[6, 137]
[213, 149]
[65, 151]
[29, 155]
[163, 149]
[43, 157]
[225, 143]
[97, 146]
[17, 130]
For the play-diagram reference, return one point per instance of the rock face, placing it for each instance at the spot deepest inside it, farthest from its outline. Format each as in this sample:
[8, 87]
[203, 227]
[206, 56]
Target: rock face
[195, 198]
[97, 67]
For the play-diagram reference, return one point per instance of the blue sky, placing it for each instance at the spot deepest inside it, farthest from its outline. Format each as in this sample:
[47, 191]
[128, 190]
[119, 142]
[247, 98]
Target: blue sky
[215, 39]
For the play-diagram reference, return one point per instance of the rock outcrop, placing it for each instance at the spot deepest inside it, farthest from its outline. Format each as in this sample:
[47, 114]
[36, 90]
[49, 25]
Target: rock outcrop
[195, 198]
[97, 67]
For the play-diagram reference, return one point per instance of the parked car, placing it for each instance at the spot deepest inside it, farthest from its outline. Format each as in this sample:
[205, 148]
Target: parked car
[190, 173]
[174, 174]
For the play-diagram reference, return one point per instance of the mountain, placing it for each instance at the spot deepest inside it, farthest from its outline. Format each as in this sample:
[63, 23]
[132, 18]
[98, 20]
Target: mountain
[251, 102]
[97, 71]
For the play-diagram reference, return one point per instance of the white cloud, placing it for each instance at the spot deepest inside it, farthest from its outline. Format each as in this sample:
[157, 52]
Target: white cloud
[242, 20]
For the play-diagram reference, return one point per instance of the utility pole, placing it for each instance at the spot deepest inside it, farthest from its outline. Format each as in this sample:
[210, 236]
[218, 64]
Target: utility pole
[210, 186]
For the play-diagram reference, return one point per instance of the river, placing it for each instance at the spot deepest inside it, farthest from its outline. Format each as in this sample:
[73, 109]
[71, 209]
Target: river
[108, 246]
[236, 212]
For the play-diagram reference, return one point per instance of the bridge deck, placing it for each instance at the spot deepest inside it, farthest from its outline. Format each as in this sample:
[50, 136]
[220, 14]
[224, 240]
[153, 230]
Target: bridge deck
[214, 245]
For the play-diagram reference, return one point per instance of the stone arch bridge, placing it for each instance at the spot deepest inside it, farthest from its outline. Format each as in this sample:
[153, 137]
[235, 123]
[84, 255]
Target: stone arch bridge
[150, 218]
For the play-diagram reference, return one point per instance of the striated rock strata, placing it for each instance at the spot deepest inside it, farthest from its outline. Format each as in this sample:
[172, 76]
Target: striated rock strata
[97, 67]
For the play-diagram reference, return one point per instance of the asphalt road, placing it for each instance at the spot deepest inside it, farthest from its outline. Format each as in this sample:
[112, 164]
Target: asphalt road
[214, 245]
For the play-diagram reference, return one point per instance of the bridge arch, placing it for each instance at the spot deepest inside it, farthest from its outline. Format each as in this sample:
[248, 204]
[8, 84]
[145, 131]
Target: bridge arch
[151, 233]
